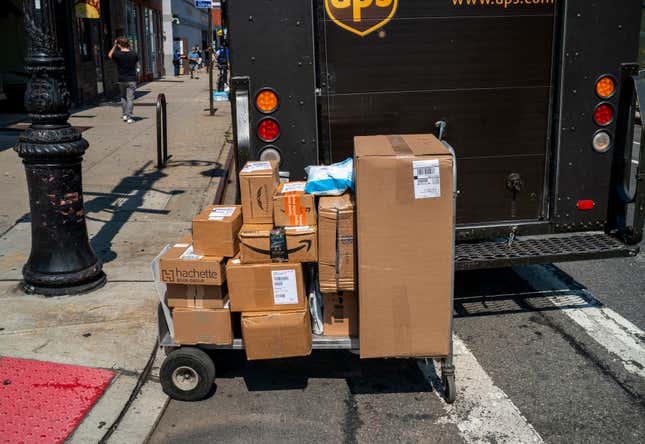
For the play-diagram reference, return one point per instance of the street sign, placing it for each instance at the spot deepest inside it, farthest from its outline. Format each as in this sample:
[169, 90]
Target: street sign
[203, 4]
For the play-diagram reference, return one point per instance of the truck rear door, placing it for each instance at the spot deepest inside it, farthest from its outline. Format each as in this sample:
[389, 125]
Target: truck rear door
[486, 67]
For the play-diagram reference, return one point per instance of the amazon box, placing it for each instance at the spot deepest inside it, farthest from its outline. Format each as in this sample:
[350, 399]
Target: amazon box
[405, 203]
[196, 296]
[277, 286]
[336, 243]
[276, 334]
[215, 230]
[292, 206]
[340, 314]
[258, 182]
[202, 326]
[181, 265]
[263, 243]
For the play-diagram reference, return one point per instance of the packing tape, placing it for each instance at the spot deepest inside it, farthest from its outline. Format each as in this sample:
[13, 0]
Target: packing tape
[294, 209]
[399, 144]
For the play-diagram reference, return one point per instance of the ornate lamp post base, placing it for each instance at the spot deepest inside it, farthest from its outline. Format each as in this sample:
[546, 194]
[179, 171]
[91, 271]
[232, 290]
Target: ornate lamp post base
[62, 261]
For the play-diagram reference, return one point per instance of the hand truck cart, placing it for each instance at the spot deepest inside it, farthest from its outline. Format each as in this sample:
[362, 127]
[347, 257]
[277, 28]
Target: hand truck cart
[188, 372]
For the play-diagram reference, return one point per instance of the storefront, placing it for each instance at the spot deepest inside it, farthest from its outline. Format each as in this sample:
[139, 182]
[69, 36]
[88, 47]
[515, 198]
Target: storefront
[143, 29]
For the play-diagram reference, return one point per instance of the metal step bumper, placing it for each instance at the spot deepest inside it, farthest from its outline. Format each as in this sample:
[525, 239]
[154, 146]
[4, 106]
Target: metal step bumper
[540, 250]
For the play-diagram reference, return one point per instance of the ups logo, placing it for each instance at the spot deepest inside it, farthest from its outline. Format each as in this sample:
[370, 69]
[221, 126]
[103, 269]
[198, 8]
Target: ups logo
[361, 16]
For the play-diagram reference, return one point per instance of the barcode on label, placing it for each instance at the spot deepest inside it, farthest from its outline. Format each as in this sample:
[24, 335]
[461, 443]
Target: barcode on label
[425, 171]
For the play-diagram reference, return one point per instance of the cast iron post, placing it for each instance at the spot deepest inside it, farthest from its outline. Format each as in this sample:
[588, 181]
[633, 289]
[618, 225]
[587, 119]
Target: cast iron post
[210, 61]
[61, 260]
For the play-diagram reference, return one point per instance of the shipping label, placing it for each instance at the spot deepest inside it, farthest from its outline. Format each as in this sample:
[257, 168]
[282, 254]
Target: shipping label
[221, 213]
[285, 287]
[256, 166]
[293, 186]
[189, 255]
[427, 180]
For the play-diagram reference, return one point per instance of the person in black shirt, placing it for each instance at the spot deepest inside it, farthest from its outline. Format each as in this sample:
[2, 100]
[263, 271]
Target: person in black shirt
[127, 62]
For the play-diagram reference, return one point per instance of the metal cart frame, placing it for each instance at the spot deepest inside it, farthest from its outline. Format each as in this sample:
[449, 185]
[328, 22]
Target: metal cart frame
[187, 372]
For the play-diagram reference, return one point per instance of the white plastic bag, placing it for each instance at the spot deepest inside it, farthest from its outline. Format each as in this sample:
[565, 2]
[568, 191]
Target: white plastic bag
[330, 180]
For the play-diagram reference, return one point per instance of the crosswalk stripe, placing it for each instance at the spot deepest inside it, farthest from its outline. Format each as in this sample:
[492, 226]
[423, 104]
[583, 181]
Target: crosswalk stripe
[609, 329]
[483, 413]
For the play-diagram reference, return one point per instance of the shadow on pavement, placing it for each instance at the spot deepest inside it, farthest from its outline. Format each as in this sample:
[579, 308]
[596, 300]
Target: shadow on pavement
[367, 376]
[503, 292]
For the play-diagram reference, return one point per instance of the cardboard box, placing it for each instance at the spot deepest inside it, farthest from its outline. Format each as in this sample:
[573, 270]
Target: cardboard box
[262, 243]
[336, 243]
[180, 265]
[196, 296]
[215, 230]
[340, 314]
[277, 286]
[404, 189]
[202, 326]
[292, 206]
[278, 334]
[258, 182]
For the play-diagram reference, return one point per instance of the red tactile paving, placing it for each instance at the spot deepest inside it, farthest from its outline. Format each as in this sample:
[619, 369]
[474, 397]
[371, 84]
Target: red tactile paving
[43, 402]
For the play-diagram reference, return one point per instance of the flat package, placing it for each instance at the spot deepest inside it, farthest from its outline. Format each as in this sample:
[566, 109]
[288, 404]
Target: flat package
[405, 203]
[258, 182]
[271, 335]
[340, 314]
[202, 326]
[292, 206]
[336, 243]
[215, 230]
[181, 265]
[261, 243]
[277, 286]
[196, 296]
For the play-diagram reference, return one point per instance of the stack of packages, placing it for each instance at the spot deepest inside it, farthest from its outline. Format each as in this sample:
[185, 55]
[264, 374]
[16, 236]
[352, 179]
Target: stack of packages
[244, 266]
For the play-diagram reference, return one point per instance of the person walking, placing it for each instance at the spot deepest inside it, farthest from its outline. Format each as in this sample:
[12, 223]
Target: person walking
[192, 61]
[176, 61]
[223, 56]
[127, 63]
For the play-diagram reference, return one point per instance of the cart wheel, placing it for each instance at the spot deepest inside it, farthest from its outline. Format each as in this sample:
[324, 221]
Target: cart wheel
[187, 374]
[449, 388]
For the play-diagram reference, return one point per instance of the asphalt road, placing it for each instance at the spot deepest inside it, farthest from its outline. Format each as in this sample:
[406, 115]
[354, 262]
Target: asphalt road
[550, 353]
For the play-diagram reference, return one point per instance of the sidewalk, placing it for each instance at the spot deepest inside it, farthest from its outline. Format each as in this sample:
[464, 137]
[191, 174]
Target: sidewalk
[133, 210]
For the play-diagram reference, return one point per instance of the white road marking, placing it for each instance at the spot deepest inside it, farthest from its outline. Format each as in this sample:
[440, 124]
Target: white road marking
[619, 336]
[483, 413]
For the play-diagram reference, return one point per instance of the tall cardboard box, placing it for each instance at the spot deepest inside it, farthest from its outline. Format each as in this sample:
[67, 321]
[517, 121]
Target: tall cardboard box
[277, 286]
[196, 296]
[258, 182]
[340, 314]
[280, 334]
[259, 242]
[292, 206]
[202, 326]
[404, 189]
[336, 243]
[215, 230]
[181, 265]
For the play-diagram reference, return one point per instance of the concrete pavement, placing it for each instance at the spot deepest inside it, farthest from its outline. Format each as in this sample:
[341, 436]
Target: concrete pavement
[133, 209]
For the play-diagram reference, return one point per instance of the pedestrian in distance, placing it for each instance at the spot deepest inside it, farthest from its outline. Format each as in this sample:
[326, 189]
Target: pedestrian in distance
[176, 61]
[200, 60]
[127, 63]
[222, 62]
[192, 61]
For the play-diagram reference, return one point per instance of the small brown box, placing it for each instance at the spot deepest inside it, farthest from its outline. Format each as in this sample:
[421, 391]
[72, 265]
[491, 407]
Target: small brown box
[277, 286]
[180, 265]
[215, 230]
[258, 182]
[255, 244]
[277, 334]
[340, 314]
[292, 206]
[336, 243]
[202, 326]
[196, 296]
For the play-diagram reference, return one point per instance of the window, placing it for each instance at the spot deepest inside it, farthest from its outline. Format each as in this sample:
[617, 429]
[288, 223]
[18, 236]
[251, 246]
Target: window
[85, 39]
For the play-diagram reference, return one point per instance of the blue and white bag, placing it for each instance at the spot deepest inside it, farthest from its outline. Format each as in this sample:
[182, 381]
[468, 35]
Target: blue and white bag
[330, 180]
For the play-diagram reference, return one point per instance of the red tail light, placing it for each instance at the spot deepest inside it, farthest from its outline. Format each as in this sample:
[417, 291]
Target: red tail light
[604, 114]
[268, 130]
[585, 205]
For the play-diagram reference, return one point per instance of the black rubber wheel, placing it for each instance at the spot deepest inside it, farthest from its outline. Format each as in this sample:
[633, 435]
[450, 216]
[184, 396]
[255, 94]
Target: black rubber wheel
[449, 388]
[187, 374]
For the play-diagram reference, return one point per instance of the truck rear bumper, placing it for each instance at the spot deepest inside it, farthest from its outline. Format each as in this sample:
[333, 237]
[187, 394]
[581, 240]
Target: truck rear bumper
[539, 250]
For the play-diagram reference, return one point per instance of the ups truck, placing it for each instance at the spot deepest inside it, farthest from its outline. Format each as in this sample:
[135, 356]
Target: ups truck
[537, 97]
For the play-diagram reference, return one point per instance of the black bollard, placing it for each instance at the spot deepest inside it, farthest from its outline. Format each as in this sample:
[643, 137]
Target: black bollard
[62, 260]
